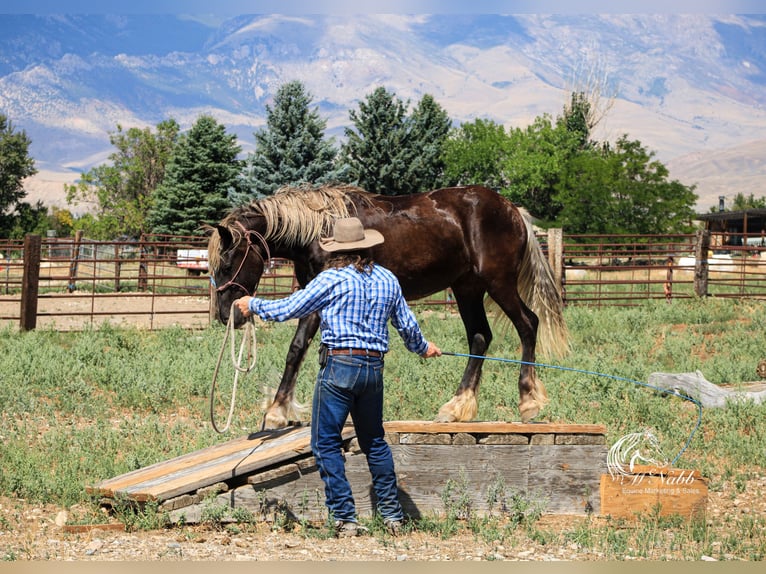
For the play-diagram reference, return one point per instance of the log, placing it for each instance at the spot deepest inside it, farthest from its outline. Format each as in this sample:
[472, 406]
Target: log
[708, 394]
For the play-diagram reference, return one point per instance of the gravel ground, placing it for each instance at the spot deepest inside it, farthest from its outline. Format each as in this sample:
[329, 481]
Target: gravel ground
[33, 532]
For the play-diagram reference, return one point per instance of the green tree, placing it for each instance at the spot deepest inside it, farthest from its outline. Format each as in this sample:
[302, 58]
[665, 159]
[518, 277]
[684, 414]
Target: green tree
[292, 149]
[576, 119]
[742, 202]
[538, 154]
[623, 190]
[476, 153]
[15, 165]
[391, 153]
[377, 152]
[201, 174]
[120, 191]
[585, 193]
[523, 164]
[430, 126]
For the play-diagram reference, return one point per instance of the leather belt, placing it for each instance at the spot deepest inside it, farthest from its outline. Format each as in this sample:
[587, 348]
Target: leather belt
[364, 352]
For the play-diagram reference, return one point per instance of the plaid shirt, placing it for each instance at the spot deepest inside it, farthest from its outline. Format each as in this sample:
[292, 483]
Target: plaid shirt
[354, 309]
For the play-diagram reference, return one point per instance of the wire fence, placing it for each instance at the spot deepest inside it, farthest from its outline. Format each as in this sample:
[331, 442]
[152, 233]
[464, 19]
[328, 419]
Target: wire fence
[628, 270]
[158, 281]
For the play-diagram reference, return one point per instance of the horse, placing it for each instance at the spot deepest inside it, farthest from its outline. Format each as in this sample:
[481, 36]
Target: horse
[468, 238]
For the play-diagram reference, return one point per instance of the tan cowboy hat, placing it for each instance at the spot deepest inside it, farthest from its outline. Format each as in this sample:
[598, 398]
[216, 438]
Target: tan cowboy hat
[350, 235]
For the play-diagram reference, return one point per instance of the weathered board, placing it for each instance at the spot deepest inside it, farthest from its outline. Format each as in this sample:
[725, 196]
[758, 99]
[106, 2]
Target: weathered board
[666, 491]
[482, 468]
[219, 463]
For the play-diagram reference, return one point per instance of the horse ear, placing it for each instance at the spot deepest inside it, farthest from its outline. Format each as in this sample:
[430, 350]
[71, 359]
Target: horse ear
[225, 235]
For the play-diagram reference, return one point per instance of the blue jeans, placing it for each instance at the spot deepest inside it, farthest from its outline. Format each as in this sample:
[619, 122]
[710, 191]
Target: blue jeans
[352, 385]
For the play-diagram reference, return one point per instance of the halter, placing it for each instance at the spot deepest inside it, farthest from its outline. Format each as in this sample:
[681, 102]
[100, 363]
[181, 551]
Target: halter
[247, 233]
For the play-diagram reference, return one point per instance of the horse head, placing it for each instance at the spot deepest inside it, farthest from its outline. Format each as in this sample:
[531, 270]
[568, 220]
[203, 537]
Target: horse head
[237, 258]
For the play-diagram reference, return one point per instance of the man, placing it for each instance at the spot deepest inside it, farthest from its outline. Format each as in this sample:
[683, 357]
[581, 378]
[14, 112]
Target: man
[355, 298]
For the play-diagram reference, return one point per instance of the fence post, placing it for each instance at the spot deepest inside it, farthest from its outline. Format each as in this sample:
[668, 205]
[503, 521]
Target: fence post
[143, 267]
[30, 282]
[556, 256]
[75, 260]
[701, 263]
[117, 267]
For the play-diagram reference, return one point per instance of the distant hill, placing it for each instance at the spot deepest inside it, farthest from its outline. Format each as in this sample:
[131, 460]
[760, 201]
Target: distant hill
[740, 169]
[689, 87]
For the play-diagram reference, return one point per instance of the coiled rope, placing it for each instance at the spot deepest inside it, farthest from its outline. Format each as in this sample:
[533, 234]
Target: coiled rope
[248, 344]
[616, 378]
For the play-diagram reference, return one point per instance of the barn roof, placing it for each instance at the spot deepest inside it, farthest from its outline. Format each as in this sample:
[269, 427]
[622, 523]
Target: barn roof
[746, 220]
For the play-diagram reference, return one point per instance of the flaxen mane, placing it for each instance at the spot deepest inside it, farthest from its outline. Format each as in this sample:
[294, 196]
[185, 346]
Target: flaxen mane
[294, 215]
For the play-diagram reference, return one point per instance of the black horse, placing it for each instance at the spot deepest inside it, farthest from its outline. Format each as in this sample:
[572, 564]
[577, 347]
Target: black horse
[470, 239]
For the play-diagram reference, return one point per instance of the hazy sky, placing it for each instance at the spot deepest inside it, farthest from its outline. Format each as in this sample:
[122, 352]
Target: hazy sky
[380, 6]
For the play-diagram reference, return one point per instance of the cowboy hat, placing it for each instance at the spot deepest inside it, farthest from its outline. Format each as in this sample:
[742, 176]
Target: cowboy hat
[350, 235]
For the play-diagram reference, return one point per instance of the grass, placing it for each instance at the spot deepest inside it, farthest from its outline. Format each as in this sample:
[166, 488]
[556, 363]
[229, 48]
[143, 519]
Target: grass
[76, 408]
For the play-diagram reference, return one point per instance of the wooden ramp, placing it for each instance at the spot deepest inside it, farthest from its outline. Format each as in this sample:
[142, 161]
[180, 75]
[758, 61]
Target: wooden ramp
[273, 470]
[219, 463]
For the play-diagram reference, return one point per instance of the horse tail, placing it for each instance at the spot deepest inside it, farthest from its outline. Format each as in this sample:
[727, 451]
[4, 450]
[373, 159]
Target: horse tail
[538, 290]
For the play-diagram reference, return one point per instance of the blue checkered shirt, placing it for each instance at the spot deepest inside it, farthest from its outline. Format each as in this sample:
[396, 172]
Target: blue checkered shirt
[354, 308]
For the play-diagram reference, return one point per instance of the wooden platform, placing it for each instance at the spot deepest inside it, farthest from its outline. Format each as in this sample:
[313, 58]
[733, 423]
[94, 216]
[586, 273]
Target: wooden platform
[219, 463]
[483, 464]
[648, 490]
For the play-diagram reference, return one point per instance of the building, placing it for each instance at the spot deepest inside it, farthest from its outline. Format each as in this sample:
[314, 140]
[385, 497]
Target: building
[737, 227]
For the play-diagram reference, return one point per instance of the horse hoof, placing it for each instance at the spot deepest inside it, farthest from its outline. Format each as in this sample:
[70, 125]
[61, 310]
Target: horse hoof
[445, 418]
[272, 422]
[529, 411]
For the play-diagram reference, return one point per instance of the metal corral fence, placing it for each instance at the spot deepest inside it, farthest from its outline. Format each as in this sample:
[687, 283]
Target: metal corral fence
[626, 270]
[158, 281]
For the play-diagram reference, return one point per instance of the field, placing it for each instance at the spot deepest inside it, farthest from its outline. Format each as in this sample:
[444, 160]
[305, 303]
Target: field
[78, 407]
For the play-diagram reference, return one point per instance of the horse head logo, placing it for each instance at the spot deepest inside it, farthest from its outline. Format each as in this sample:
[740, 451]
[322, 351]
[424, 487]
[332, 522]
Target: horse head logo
[635, 448]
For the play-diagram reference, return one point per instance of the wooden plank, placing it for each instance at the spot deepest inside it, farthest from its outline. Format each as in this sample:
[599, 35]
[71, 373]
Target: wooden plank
[302, 499]
[566, 477]
[162, 468]
[491, 427]
[631, 496]
[208, 466]
[30, 282]
[223, 468]
[279, 475]
[424, 469]
[426, 474]
[190, 480]
[423, 473]
[436, 478]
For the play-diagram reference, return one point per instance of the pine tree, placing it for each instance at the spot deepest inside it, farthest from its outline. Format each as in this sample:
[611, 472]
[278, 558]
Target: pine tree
[378, 153]
[576, 117]
[292, 149]
[201, 174]
[429, 127]
[392, 153]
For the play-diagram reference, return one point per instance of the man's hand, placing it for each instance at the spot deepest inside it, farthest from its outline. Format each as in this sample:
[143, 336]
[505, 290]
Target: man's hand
[243, 304]
[432, 351]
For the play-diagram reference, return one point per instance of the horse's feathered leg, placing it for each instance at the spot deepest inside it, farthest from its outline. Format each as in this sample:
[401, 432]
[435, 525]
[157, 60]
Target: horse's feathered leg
[278, 414]
[532, 394]
[463, 406]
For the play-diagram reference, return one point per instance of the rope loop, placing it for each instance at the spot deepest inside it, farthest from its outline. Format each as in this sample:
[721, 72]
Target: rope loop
[248, 345]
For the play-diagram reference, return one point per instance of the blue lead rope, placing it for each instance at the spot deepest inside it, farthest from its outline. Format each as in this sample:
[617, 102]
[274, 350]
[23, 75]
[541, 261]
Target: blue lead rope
[613, 377]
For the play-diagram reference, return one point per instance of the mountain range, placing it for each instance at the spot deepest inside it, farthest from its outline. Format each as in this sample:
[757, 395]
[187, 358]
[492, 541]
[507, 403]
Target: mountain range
[690, 87]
